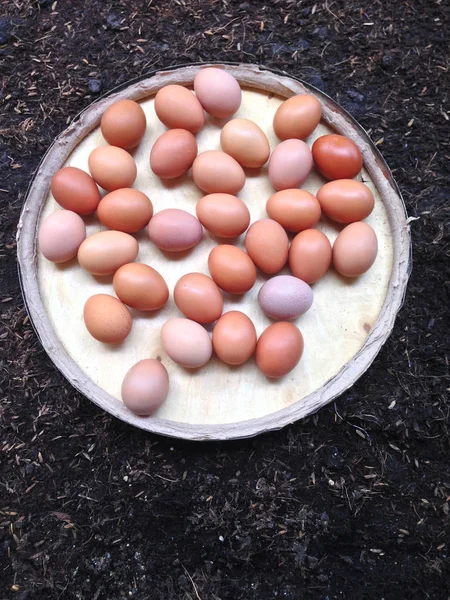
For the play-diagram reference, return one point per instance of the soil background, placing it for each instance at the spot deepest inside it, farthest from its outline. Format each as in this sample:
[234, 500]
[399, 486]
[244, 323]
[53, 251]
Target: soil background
[352, 502]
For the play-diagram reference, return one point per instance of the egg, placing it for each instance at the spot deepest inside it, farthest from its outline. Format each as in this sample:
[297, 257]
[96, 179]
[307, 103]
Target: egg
[279, 349]
[178, 108]
[267, 245]
[112, 167]
[285, 297]
[297, 117]
[173, 153]
[355, 249]
[232, 269]
[198, 297]
[104, 252]
[337, 157]
[294, 209]
[126, 210]
[186, 342]
[60, 236]
[223, 215]
[246, 142]
[290, 164]
[234, 338]
[310, 255]
[218, 92]
[107, 319]
[140, 286]
[75, 190]
[346, 200]
[174, 230]
[123, 124]
[215, 171]
[145, 387]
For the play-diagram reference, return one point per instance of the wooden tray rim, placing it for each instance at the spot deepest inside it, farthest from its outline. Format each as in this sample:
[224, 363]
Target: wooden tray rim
[249, 76]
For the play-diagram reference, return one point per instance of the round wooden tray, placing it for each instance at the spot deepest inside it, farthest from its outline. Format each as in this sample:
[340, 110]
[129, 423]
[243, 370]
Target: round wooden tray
[344, 330]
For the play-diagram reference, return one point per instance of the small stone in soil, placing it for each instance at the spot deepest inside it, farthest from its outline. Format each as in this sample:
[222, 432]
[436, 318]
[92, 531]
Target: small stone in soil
[94, 85]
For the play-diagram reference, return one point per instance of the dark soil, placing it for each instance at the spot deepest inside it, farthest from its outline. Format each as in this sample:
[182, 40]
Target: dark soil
[350, 503]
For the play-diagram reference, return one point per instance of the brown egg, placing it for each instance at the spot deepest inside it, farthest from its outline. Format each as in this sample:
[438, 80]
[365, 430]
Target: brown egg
[310, 255]
[355, 249]
[60, 236]
[112, 167]
[215, 171]
[75, 190]
[337, 157]
[279, 349]
[178, 108]
[145, 387]
[223, 215]
[140, 286]
[294, 209]
[246, 142]
[346, 200]
[186, 342]
[107, 319]
[218, 91]
[290, 164]
[123, 124]
[297, 117]
[232, 269]
[104, 252]
[234, 338]
[198, 298]
[173, 153]
[267, 245]
[125, 210]
[174, 230]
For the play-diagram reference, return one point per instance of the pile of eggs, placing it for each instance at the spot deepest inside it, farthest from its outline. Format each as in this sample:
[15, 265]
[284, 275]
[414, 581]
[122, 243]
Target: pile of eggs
[124, 211]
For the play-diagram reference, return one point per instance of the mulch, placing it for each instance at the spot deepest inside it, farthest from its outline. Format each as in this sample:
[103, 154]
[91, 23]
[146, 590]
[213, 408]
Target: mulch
[352, 502]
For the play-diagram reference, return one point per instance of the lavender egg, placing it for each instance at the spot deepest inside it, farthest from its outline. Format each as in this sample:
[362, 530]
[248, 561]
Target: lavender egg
[285, 297]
